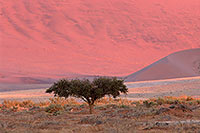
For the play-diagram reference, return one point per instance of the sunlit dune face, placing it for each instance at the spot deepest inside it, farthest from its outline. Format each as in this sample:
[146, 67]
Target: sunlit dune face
[95, 37]
[177, 65]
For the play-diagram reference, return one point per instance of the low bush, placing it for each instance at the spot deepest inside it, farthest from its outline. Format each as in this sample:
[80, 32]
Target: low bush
[148, 104]
[54, 108]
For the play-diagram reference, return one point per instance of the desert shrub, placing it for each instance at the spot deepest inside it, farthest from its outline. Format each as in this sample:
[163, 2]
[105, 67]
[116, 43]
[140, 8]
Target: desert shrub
[88, 91]
[124, 106]
[15, 108]
[54, 108]
[176, 100]
[16, 105]
[62, 101]
[148, 104]
[10, 104]
[136, 103]
[27, 103]
[111, 106]
[190, 103]
[43, 104]
[170, 101]
[82, 106]
[105, 100]
[111, 101]
[198, 101]
[189, 98]
[160, 101]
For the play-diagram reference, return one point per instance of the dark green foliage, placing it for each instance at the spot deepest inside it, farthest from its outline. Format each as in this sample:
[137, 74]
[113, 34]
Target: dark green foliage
[88, 91]
[148, 104]
[124, 106]
[160, 101]
[54, 108]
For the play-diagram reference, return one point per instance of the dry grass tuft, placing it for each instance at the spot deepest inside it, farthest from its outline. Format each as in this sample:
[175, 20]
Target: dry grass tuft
[25, 105]
[109, 100]
[175, 100]
[63, 101]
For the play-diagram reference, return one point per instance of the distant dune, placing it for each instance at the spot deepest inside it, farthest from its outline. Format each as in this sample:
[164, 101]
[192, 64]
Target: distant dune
[58, 38]
[39, 79]
[177, 65]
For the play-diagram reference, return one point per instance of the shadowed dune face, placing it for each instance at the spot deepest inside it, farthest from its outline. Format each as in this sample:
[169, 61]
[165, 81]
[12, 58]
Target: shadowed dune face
[93, 37]
[177, 65]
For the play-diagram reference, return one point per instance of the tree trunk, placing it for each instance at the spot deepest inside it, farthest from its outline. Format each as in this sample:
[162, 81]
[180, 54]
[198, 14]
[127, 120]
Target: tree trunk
[91, 108]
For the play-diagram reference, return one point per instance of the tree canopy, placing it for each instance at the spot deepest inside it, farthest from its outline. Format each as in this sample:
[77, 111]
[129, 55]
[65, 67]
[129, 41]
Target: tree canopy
[88, 91]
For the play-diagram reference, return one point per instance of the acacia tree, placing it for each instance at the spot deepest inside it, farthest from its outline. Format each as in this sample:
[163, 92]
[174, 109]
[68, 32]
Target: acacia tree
[88, 91]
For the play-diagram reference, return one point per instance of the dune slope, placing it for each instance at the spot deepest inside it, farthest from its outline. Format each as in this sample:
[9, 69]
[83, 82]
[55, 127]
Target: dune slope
[52, 38]
[177, 65]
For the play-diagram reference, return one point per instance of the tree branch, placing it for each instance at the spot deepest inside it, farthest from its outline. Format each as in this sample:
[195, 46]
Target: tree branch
[84, 99]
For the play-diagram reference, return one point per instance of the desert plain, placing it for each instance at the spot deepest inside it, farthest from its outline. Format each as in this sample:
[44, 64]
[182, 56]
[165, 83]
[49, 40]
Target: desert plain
[170, 105]
[140, 90]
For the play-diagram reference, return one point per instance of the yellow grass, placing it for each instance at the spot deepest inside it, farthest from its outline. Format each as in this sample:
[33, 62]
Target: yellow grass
[23, 105]
[109, 100]
[125, 116]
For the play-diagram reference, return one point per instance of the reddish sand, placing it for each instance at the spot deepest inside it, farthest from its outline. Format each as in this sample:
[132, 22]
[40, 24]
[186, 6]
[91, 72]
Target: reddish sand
[56, 38]
[177, 65]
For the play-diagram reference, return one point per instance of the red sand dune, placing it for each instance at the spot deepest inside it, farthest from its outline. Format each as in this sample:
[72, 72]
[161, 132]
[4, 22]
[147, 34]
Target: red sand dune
[55, 38]
[177, 65]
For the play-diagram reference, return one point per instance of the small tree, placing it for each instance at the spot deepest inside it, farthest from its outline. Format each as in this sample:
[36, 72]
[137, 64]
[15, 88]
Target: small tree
[88, 91]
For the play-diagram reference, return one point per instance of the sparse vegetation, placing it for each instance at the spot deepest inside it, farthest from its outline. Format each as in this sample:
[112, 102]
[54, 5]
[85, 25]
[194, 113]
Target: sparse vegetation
[88, 91]
[54, 108]
[111, 115]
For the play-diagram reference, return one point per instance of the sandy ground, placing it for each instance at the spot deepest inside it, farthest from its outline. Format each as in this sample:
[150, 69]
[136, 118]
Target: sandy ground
[137, 90]
[171, 87]
[36, 95]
